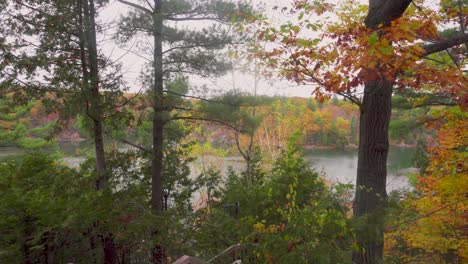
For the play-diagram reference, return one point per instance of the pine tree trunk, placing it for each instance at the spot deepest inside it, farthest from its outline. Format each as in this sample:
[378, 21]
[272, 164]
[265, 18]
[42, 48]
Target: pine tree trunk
[45, 248]
[247, 158]
[89, 12]
[158, 118]
[95, 96]
[158, 252]
[248, 166]
[157, 163]
[28, 230]
[99, 149]
[110, 252]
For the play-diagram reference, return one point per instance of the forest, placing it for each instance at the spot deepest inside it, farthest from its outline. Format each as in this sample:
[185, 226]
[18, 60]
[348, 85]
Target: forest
[233, 131]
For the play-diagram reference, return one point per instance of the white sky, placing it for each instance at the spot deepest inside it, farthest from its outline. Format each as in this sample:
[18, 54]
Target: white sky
[133, 64]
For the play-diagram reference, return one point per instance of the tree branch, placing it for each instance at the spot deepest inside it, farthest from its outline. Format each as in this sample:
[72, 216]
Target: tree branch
[385, 11]
[134, 145]
[201, 45]
[204, 99]
[445, 44]
[144, 9]
[128, 100]
[351, 97]
[197, 118]
[123, 140]
[195, 18]
[431, 99]
[39, 87]
[244, 155]
[182, 108]
[387, 229]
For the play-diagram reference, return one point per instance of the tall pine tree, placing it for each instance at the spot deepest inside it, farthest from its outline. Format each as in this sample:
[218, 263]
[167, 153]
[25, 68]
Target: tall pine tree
[177, 50]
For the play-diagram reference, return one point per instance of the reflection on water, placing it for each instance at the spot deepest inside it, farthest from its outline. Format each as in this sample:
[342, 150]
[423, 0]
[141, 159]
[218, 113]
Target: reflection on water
[9, 151]
[67, 148]
[73, 151]
[341, 165]
[74, 148]
[335, 165]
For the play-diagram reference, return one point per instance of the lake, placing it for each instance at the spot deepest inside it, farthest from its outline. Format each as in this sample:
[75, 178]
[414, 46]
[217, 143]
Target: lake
[341, 165]
[335, 165]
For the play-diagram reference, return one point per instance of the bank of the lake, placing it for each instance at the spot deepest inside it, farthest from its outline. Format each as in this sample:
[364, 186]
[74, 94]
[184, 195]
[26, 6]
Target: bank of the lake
[336, 165]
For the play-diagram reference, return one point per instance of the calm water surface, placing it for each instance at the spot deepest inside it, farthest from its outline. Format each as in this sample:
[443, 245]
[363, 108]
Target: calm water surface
[335, 165]
[341, 165]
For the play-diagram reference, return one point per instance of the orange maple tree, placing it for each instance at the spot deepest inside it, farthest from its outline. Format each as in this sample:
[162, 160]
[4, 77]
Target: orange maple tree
[365, 53]
[342, 54]
[437, 231]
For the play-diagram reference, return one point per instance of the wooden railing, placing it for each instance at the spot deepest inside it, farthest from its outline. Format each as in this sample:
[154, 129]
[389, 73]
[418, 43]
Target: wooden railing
[234, 254]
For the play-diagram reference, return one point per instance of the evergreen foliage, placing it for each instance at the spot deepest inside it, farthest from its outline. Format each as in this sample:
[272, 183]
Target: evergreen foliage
[16, 128]
[145, 204]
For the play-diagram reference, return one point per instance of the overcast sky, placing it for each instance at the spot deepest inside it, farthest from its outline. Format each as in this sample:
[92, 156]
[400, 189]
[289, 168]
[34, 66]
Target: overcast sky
[133, 64]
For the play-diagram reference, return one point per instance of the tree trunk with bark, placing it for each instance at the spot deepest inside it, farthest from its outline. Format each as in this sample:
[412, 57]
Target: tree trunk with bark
[95, 111]
[91, 80]
[372, 169]
[110, 252]
[374, 144]
[157, 195]
[247, 155]
[158, 118]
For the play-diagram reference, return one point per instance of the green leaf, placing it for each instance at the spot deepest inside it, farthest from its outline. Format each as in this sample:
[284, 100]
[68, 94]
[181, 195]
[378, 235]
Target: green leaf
[386, 50]
[355, 246]
[373, 39]
[301, 15]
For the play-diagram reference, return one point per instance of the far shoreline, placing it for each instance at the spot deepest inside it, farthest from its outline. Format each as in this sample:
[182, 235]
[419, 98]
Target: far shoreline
[352, 146]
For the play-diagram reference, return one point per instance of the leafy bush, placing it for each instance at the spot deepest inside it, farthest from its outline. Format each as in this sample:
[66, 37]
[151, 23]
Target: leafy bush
[289, 217]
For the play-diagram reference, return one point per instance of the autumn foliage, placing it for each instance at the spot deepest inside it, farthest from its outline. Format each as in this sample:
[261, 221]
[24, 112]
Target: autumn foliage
[436, 231]
[344, 54]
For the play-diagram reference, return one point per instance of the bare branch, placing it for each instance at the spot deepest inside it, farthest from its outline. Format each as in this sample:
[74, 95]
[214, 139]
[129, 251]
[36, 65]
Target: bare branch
[351, 97]
[203, 99]
[128, 100]
[39, 87]
[201, 45]
[142, 8]
[244, 155]
[137, 54]
[196, 18]
[123, 140]
[182, 108]
[387, 229]
[198, 118]
[142, 148]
